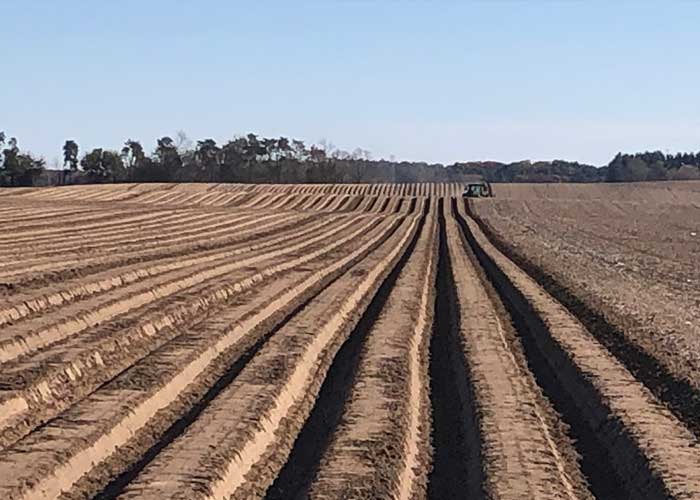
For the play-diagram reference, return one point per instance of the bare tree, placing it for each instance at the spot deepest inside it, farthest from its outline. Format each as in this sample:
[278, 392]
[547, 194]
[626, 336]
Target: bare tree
[327, 146]
[361, 154]
[182, 142]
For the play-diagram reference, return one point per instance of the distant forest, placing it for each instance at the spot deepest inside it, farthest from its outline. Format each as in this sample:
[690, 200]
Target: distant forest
[255, 159]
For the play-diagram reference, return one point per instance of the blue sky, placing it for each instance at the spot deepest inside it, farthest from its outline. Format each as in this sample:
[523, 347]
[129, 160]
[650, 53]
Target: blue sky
[435, 81]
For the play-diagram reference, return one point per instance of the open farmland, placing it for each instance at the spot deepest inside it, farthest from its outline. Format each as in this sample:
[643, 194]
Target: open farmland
[349, 341]
[625, 258]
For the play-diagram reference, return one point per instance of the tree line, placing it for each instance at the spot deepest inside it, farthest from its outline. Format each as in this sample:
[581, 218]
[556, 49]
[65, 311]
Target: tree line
[18, 168]
[653, 166]
[252, 158]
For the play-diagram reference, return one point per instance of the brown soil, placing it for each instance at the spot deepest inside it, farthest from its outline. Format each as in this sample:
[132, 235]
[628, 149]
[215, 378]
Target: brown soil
[349, 341]
[649, 450]
[629, 252]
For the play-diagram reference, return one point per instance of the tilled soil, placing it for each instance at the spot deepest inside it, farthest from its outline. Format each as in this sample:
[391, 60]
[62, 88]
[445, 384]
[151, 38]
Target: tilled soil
[626, 267]
[335, 341]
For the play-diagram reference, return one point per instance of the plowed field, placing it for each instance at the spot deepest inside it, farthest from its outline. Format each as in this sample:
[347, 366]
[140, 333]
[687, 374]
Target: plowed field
[349, 341]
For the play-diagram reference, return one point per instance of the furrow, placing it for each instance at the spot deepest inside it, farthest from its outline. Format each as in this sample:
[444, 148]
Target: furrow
[254, 421]
[65, 465]
[673, 389]
[456, 441]
[22, 343]
[381, 447]
[32, 217]
[35, 305]
[19, 217]
[91, 244]
[631, 444]
[130, 252]
[47, 384]
[100, 226]
[67, 240]
[525, 456]
[83, 243]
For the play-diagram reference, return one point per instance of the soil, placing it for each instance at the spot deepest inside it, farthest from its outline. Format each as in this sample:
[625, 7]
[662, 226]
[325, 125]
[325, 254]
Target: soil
[349, 341]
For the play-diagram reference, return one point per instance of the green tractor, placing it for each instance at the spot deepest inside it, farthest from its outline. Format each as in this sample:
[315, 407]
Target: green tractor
[477, 190]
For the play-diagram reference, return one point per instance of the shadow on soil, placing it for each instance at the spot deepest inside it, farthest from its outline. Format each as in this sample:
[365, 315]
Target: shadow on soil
[610, 459]
[457, 471]
[678, 394]
[298, 473]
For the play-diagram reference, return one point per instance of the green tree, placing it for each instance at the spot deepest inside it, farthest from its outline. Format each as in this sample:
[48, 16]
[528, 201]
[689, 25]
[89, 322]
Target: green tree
[30, 169]
[93, 167]
[133, 159]
[113, 166]
[70, 158]
[616, 167]
[636, 170]
[252, 152]
[657, 171]
[17, 168]
[103, 166]
[11, 164]
[168, 160]
[233, 158]
[207, 157]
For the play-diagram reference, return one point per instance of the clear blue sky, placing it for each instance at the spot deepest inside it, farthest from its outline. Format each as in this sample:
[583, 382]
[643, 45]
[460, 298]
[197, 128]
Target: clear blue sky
[434, 81]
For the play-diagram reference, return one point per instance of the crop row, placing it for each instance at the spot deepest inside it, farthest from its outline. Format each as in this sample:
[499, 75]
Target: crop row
[387, 354]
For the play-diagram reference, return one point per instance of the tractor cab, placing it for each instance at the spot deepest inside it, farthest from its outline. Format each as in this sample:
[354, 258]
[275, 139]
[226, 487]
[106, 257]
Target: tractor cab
[477, 190]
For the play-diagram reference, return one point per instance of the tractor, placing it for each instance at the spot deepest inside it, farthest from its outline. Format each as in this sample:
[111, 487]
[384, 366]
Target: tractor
[477, 190]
